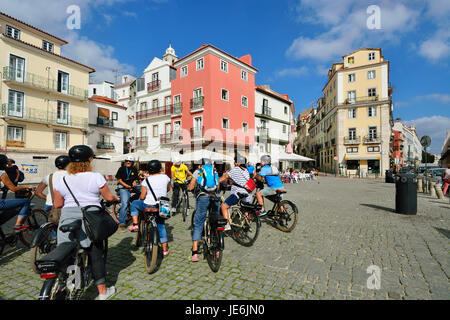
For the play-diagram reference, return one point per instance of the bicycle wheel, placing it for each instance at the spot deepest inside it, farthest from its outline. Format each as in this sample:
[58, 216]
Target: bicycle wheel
[211, 246]
[47, 244]
[151, 250]
[116, 209]
[182, 207]
[286, 220]
[139, 237]
[54, 289]
[244, 230]
[35, 219]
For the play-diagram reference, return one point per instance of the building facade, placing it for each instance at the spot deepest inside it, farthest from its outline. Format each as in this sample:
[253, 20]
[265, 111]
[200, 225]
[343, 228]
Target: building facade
[44, 97]
[407, 148]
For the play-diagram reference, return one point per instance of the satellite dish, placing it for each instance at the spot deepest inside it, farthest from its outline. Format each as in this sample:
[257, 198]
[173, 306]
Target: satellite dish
[425, 141]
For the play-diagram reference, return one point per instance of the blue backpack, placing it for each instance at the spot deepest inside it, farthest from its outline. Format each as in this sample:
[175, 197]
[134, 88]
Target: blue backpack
[208, 179]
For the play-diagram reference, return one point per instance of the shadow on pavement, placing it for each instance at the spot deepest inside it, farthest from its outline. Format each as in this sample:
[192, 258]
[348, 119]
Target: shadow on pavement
[10, 254]
[374, 206]
[119, 258]
[445, 232]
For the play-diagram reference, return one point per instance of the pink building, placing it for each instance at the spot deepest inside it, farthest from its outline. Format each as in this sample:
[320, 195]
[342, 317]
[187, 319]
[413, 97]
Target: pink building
[217, 95]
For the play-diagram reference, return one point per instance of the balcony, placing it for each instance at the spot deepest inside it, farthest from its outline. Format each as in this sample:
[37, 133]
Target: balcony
[267, 111]
[153, 113]
[172, 137]
[197, 104]
[42, 116]
[105, 145]
[177, 108]
[44, 83]
[105, 122]
[197, 133]
[371, 139]
[15, 143]
[361, 100]
[352, 140]
[141, 141]
[154, 85]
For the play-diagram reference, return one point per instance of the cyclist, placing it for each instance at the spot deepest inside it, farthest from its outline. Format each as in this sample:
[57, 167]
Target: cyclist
[61, 163]
[239, 176]
[87, 186]
[204, 183]
[179, 173]
[160, 184]
[24, 204]
[13, 173]
[127, 177]
[272, 177]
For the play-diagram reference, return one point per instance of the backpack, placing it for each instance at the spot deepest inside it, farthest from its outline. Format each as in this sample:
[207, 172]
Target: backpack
[208, 178]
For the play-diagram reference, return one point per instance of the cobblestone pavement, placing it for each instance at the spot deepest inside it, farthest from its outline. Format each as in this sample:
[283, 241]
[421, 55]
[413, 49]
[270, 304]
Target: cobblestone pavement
[344, 226]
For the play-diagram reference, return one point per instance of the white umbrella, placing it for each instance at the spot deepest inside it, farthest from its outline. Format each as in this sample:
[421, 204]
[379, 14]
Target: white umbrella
[136, 155]
[204, 153]
[283, 156]
[161, 154]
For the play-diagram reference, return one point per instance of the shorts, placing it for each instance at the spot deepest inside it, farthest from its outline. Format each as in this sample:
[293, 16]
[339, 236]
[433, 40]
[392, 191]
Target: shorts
[270, 191]
[231, 200]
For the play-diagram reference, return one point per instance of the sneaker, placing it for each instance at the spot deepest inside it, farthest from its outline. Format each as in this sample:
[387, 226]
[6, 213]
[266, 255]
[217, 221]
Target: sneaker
[109, 293]
[20, 227]
[227, 227]
[166, 253]
[134, 228]
[122, 227]
[262, 213]
[195, 258]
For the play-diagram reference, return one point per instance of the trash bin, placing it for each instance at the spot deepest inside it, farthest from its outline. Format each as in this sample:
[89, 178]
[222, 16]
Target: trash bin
[406, 193]
[389, 176]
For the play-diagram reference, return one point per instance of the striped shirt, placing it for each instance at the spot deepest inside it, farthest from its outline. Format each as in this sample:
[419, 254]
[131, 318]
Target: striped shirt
[240, 177]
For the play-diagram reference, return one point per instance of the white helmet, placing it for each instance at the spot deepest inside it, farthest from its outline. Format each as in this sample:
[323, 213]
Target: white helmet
[129, 158]
[176, 161]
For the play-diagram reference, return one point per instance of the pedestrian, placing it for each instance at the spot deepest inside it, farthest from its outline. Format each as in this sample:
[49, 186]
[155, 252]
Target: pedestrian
[446, 179]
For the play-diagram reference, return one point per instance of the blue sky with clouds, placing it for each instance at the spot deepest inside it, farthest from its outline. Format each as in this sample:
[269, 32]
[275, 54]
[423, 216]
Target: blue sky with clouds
[292, 42]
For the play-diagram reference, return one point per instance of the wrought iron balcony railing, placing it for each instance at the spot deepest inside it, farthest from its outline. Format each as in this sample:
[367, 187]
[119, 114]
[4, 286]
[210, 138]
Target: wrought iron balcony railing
[352, 140]
[105, 122]
[267, 111]
[371, 139]
[361, 100]
[41, 82]
[157, 112]
[105, 145]
[197, 133]
[141, 141]
[197, 103]
[154, 85]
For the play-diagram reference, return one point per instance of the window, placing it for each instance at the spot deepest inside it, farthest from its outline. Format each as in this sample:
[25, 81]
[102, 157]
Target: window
[155, 77]
[17, 66]
[245, 127]
[143, 132]
[13, 32]
[63, 82]
[373, 133]
[373, 149]
[200, 64]
[371, 74]
[198, 124]
[177, 100]
[95, 91]
[15, 103]
[352, 133]
[244, 75]
[143, 106]
[372, 111]
[352, 150]
[225, 123]
[284, 128]
[351, 60]
[177, 125]
[352, 77]
[62, 112]
[167, 128]
[352, 113]
[60, 140]
[371, 56]
[285, 110]
[351, 96]
[114, 116]
[372, 92]
[48, 46]
[184, 71]
[225, 94]
[15, 133]
[244, 101]
[155, 130]
[155, 104]
[223, 66]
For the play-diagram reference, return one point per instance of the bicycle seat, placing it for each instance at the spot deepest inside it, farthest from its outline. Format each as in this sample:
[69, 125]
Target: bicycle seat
[57, 257]
[151, 210]
[281, 191]
[73, 226]
[242, 195]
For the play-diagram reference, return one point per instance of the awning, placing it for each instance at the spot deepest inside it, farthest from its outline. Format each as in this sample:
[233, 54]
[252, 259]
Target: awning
[283, 156]
[204, 153]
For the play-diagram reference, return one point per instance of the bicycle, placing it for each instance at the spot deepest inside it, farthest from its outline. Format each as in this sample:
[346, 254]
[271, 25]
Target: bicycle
[148, 237]
[213, 237]
[67, 268]
[183, 201]
[34, 219]
[135, 192]
[282, 213]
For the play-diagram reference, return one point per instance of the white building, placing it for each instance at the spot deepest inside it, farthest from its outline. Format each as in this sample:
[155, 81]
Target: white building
[412, 149]
[273, 121]
[123, 93]
[104, 89]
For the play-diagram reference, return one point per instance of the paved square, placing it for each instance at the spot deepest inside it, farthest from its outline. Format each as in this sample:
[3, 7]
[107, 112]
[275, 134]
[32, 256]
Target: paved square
[344, 226]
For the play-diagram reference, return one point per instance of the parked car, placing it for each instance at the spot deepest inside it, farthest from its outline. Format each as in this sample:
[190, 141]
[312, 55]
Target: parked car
[435, 174]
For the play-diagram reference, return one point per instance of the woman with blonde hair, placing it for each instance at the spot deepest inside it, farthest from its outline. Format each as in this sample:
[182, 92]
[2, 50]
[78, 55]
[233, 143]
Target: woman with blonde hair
[87, 187]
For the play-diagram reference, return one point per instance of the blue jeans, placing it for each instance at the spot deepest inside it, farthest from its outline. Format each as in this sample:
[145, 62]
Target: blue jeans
[139, 205]
[16, 203]
[201, 209]
[124, 197]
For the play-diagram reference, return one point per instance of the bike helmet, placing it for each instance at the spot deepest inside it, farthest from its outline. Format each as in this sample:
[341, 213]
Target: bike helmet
[154, 166]
[62, 161]
[3, 160]
[266, 159]
[241, 160]
[80, 153]
[129, 158]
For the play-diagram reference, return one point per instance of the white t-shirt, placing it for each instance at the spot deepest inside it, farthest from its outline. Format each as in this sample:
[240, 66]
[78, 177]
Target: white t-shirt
[159, 184]
[84, 185]
[56, 176]
[1, 173]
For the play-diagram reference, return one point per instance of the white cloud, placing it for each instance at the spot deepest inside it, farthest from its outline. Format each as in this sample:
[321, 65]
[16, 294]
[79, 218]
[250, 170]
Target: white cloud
[443, 98]
[435, 126]
[292, 72]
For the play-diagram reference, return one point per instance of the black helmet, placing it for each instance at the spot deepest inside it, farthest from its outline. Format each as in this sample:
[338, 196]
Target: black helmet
[154, 166]
[62, 161]
[241, 160]
[80, 153]
[3, 160]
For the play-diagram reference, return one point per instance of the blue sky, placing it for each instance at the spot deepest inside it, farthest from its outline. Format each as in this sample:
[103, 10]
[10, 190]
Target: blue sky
[292, 42]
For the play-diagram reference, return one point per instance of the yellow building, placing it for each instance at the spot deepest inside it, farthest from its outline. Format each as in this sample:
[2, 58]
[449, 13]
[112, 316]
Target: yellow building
[43, 96]
[353, 125]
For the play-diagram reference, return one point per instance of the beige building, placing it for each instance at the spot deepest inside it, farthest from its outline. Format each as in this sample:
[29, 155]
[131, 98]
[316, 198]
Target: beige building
[44, 97]
[351, 132]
